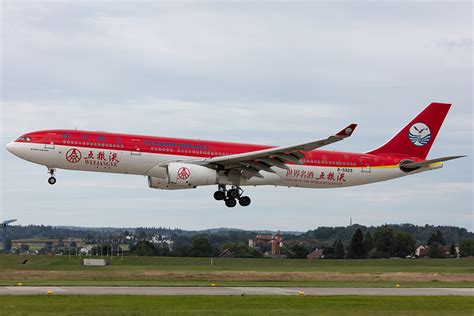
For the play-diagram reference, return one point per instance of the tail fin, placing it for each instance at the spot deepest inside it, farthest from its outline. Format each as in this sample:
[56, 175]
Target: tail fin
[416, 138]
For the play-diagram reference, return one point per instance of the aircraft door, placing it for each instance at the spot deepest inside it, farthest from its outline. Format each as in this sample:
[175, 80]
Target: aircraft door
[136, 147]
[365, 165]
[50, 138]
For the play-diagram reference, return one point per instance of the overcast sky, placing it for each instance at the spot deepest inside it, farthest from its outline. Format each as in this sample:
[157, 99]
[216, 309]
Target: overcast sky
[271, 73]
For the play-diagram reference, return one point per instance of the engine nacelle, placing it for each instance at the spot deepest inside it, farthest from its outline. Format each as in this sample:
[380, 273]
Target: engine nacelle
[182, 174]
[160, 183]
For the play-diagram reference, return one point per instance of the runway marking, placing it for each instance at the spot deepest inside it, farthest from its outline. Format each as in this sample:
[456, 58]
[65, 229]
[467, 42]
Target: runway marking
[264, 290]
[26, 290]
[308, 291]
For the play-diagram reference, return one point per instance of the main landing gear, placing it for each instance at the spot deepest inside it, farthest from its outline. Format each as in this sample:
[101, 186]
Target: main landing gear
[231, 196]
[52, 179]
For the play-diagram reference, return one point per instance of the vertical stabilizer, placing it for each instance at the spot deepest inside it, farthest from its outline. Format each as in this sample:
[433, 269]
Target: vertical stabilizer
[417, 137]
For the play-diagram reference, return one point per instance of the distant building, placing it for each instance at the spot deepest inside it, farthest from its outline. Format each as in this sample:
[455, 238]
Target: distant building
[446, 250]
[276, 244]
[265, 241]
[421, 251]
[316, 254]
[85, 251]
[162, 240]
[227, 253]
[262, 239]
[251, 243]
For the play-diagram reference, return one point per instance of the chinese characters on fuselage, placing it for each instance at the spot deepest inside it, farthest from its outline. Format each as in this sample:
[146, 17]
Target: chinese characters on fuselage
[327, 176]
[102, 159]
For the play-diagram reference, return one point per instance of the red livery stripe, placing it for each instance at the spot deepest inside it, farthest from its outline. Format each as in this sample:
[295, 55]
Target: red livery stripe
[196, 148]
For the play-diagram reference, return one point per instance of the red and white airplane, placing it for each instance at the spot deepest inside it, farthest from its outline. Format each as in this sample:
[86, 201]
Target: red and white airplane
[173, 163]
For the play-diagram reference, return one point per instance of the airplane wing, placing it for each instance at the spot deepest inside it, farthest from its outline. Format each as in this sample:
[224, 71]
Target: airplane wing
[416, 165]
[251, 163]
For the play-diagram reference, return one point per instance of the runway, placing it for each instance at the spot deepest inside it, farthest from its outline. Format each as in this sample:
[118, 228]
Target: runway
[312, 291]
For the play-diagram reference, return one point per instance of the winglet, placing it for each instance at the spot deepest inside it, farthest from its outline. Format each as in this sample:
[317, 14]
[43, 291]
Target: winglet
[346, 132]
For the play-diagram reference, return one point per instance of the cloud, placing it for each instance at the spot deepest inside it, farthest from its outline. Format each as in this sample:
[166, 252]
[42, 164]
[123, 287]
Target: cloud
[416, 191]
[464, 43]
[213, 52]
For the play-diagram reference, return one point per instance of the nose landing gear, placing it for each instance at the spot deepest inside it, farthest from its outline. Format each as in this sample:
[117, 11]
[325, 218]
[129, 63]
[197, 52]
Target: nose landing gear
[52, 179]
[231, 196]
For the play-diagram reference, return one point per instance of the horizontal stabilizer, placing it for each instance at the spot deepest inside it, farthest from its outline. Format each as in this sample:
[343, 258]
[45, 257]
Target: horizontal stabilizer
[415, 165]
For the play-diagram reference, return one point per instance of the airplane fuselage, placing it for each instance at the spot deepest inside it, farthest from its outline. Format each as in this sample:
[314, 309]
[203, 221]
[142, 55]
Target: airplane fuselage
[175, 164]
[144, 155]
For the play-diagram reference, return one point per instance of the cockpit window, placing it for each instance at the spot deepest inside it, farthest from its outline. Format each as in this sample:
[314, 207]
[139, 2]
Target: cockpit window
[24, 138]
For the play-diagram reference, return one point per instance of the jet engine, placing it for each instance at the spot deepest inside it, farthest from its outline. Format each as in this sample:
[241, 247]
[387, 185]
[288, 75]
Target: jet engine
[190, 174]
[184, 176]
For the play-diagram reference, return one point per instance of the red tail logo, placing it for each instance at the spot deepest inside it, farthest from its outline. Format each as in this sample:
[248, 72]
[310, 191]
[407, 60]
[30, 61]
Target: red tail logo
[417, 137]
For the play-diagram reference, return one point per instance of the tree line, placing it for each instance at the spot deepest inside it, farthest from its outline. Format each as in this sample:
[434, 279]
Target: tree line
[452, 234]
[354, 241]
[386, 242]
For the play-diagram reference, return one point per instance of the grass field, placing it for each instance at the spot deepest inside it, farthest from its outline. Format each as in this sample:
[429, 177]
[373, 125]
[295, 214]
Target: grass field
[232, 305]
[465, 266]
[160, 271]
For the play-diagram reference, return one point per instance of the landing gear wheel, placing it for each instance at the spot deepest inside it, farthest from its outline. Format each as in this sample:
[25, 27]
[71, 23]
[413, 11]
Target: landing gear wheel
[219, 195]
[244, 201]
[52, 179]
[230, 202]
[233, 193]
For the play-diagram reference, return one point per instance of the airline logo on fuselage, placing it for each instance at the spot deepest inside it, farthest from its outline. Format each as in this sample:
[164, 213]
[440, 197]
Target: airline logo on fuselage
[73, 155]
[99, 159]
[419, 134]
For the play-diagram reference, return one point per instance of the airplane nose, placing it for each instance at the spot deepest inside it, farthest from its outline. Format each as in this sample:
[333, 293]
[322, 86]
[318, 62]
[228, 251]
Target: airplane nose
[14, 148]
[10, 147]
